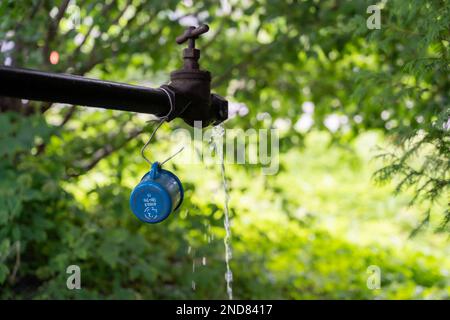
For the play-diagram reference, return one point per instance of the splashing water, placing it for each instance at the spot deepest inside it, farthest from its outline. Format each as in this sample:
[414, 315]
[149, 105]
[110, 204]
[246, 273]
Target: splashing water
[217, 136]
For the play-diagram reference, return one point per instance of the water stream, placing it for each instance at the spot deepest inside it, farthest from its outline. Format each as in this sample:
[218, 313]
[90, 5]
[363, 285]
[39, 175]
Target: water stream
[217, 138]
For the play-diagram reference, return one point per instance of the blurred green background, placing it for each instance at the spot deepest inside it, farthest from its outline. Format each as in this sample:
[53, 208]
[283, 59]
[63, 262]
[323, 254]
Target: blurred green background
[363, 118]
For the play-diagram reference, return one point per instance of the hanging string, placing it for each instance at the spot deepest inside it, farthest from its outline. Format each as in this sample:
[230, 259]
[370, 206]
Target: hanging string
[161, 121]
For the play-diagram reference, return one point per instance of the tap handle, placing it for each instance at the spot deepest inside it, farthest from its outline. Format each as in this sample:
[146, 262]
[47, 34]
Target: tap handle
[191, 34]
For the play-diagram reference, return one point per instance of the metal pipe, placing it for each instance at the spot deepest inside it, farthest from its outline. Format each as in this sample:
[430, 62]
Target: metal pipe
[77, 90]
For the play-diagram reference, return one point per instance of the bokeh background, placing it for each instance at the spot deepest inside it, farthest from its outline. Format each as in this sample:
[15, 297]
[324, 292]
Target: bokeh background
[364, 152]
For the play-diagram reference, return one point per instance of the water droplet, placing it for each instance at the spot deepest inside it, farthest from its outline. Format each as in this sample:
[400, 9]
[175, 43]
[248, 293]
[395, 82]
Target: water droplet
[229, 276]
[218, 131]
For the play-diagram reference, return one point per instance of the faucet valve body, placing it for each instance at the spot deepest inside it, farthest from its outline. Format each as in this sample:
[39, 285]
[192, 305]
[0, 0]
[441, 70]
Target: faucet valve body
[195, 84]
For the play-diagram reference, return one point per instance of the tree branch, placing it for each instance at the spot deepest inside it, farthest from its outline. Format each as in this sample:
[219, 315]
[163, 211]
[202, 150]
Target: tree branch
[103, 12]
[12, 278]
[34, 10]
[105, 152]
[68, 116]
[94, 59]
[249, 58]
[246, 61]
[214, 36]
[53, 28]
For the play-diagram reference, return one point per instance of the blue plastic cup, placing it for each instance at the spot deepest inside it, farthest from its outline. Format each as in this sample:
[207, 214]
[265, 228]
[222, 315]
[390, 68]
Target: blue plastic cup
[159, 193]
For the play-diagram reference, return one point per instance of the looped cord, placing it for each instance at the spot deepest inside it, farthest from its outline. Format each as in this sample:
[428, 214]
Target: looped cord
[161, 121]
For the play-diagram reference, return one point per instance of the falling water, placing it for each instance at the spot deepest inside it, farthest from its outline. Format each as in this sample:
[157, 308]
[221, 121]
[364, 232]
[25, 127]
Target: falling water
[191, 252]
[218, 134]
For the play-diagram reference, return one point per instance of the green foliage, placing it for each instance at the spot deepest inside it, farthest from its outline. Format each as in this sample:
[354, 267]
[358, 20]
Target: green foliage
[309, 232]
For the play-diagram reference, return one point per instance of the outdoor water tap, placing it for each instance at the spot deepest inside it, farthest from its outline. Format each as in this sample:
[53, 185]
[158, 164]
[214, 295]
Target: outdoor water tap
[193, 85]
[191, 54]
[160, 192]
[187, 96]
[189, 89]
